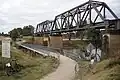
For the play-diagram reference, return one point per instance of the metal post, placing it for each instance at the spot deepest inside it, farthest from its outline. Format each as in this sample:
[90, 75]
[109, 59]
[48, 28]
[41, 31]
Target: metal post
[104, 13]
[90, 11]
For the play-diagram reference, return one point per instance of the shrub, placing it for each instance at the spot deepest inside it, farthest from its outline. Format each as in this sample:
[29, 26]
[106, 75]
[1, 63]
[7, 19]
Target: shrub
[113, 62]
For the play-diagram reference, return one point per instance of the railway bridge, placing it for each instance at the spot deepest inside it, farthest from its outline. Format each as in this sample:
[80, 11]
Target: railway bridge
[91, 14]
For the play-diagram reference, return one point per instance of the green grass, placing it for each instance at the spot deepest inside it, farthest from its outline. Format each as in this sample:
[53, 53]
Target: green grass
[34, 68]
[108, 69]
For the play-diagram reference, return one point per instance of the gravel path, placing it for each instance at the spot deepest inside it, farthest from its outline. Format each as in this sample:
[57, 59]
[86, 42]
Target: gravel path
[65, 70]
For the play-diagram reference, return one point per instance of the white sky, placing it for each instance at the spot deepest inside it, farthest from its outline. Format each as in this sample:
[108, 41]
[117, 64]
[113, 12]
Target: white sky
[19, 13]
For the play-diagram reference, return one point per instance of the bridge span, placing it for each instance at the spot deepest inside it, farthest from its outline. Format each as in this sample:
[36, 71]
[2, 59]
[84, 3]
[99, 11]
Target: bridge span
[91, 14]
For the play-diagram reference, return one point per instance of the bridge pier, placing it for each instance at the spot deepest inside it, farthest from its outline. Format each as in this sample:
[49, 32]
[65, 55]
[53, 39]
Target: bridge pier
[46, 40]
[52, 41]
[111, 43]
[55, 41]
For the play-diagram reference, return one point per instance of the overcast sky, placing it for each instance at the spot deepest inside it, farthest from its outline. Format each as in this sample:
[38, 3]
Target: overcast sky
[19, 13]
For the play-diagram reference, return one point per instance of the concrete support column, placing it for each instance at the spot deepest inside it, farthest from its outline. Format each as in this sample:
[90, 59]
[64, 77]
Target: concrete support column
[112, 43]
[45, 41]
[56, 41]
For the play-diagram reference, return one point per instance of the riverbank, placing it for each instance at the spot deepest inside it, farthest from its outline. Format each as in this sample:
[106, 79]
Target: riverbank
[33, 68]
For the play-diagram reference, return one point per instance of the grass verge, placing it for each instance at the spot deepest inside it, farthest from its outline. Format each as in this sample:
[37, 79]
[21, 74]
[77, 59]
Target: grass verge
[108, 69]
[34, 68]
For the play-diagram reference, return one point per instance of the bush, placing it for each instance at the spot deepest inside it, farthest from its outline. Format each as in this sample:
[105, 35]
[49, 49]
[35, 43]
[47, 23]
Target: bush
[113, 62]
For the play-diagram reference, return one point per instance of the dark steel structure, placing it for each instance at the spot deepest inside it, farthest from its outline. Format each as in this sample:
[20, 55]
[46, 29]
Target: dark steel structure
[92, 14]
[44, 26]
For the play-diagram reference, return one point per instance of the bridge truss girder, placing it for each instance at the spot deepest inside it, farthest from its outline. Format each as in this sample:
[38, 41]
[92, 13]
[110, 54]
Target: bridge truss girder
[81, 17]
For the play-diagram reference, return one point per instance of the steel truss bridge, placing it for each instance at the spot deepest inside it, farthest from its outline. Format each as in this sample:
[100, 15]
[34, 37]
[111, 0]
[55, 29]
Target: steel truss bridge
[92, 14]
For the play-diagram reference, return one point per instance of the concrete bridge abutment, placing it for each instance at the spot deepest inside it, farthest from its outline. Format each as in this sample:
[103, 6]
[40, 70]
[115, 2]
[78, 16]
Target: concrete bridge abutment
[55, 41]
[111, 43]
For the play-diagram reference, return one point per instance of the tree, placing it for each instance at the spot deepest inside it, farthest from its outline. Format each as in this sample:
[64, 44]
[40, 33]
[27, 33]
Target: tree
[28, 30]
[93, 34]
[19, 30]
[95, 37]
[14, 34]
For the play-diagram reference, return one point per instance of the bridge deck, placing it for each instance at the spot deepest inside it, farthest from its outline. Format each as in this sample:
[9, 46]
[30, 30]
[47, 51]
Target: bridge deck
[41, 49]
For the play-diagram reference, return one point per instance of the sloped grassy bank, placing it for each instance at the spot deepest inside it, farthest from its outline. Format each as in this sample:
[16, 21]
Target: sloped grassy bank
[108, 69]
[32, 68]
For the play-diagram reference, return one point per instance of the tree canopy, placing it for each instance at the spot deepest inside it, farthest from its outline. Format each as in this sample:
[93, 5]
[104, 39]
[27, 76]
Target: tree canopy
[95, 36]
[28, 30]
[18, 32]
[14, 34]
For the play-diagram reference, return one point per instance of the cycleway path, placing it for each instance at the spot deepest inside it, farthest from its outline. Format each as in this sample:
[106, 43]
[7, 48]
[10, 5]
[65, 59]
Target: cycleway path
[65, 71]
